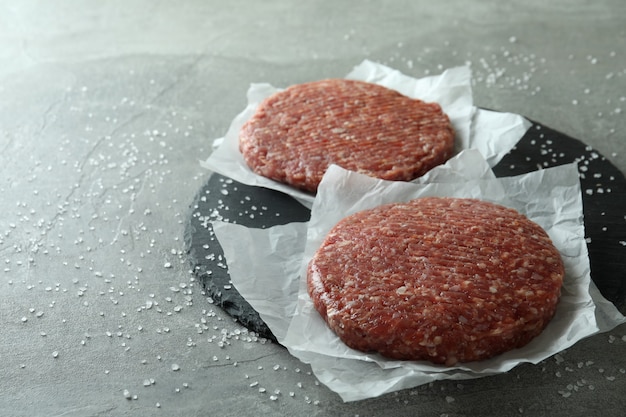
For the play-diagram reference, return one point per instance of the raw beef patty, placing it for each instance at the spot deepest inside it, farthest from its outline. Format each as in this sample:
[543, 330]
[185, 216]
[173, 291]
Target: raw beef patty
[440, 279]
[296, 134]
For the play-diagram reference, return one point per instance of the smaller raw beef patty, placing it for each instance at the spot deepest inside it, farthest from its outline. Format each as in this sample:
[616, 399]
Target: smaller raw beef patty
[296, 134]
[440, 279]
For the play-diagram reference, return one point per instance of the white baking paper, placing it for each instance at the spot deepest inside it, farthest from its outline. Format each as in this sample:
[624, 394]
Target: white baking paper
[491, 133]
[269, 273]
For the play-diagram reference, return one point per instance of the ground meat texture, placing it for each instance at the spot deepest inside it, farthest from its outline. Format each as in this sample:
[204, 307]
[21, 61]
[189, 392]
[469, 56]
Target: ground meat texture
[439, 279]
[296, 134]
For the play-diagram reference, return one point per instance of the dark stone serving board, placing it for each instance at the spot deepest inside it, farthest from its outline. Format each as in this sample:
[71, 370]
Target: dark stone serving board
[604, 205]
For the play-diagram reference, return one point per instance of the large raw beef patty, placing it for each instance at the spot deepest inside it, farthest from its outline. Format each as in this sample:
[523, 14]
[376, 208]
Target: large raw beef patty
[440, 279]
[296, 134]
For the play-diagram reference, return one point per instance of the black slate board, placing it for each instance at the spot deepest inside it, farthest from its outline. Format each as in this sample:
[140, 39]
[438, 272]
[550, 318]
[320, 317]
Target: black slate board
[222, 198]
[604, 204]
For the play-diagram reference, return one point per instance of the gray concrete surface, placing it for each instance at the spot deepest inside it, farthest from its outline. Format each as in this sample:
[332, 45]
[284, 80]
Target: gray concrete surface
[105, 110]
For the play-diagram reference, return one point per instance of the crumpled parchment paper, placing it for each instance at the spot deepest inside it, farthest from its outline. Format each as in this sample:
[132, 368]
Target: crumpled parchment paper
[493, 134]
[267, 266]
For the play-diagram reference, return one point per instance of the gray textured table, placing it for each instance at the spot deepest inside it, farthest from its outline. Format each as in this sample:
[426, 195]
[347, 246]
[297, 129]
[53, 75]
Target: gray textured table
[105, 112]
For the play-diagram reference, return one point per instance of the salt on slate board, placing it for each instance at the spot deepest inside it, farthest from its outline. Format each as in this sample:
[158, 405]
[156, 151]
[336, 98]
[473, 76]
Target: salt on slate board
[224, 199]
[604, 205]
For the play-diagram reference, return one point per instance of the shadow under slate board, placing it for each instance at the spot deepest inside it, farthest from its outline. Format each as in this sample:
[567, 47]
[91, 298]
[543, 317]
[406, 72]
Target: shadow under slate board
[604, 205]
